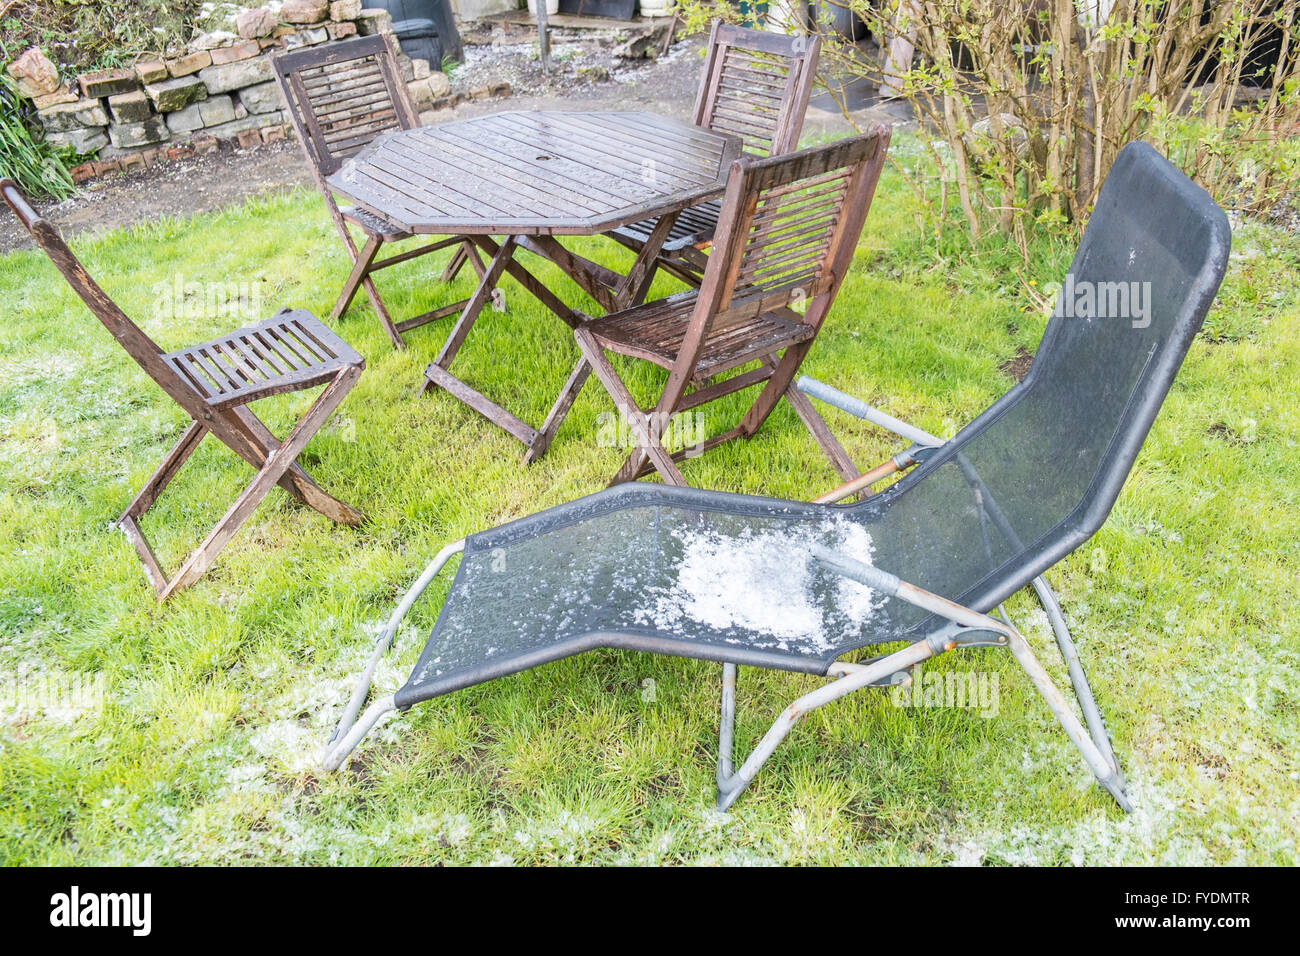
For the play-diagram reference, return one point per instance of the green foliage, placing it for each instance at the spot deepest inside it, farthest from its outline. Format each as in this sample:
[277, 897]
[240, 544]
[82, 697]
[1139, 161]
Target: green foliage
[1244, 163]
[37, 166]
[93, 34]
[1032, 110]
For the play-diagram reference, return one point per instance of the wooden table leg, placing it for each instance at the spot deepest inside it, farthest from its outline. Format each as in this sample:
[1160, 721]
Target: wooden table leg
[632, 289]
[474, 306]
[437, 375]
[571, 317]
[610, 289]
[593, 278]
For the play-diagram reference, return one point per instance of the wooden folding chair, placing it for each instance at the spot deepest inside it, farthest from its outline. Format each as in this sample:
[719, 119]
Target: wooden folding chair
[214, 382]
[340, 97]
[786, 237]
[756, 86]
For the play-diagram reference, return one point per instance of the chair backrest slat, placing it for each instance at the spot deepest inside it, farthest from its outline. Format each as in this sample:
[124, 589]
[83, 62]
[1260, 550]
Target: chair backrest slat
[133, 339]
[788, 228]
[340, 97]
[756, 86]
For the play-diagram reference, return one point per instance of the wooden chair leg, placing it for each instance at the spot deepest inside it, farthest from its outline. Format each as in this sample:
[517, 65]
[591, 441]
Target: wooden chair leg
[295, 481]
[650, 450]
[359, 277]
[648, 445]
[148, 495]
[161, 478]
[812, 420]
[558, 411]
[381, 310]
[277, 463]
[360, 267]
[821, 433]
[777, 385]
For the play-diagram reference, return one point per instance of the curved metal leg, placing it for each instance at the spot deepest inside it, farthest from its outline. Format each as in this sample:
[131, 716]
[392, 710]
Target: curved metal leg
[850, 677]
[1107, 775]
[337, 753]
[1095, 742]
[1082, 690]
[975, 622]
[726, 728]
[350, 730]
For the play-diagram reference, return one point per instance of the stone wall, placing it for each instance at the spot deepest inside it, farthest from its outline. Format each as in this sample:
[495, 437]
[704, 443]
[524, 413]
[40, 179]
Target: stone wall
[220, 88]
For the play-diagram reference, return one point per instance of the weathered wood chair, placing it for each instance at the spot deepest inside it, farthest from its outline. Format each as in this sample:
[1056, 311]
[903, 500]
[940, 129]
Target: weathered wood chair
[756, 86]
[214, 382]
[788, 228]
[340, 97]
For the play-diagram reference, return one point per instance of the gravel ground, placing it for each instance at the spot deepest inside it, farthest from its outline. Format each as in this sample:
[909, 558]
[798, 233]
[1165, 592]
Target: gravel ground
[182, 188]
[584, 63]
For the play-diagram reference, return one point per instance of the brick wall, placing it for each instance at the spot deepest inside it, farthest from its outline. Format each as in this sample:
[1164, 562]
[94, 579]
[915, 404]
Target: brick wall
[220, 89]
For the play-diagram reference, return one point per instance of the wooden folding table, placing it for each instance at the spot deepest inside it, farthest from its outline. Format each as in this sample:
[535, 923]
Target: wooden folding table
[530, 177]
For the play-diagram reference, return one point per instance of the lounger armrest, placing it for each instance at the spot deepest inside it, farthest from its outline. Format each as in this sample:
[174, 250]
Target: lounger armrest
[860, 409]
[892, 585]
[900, 462]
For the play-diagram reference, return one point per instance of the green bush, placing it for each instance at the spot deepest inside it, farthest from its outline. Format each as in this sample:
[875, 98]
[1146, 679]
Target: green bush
[34, 163]
[1030, 103]
[89, 34]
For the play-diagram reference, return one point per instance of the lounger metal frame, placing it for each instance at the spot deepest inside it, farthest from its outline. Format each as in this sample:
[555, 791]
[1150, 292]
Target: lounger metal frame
[965, 628]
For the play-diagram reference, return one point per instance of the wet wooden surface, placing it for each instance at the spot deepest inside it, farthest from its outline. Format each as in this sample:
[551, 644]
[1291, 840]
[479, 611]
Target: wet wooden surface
[545, 172]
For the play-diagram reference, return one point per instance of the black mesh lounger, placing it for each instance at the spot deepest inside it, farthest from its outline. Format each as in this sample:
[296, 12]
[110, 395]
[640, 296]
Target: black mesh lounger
[797, 586]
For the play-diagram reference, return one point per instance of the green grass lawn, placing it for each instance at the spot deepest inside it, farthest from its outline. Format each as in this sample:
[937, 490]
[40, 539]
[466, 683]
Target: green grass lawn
[215, 706]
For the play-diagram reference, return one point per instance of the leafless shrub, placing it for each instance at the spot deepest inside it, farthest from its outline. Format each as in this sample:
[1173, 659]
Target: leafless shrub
[1033, 99]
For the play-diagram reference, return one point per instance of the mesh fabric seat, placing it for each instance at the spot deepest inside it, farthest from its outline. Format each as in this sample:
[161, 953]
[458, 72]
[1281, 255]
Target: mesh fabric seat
[790, 585]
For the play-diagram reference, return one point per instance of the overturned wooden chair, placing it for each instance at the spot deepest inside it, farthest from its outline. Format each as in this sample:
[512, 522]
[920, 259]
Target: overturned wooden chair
[913, 570]
[784, 244]
[340, 97]
[756, 86]
[214, 382]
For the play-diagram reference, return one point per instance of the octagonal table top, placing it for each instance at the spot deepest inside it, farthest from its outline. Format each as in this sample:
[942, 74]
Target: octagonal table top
[538, 172]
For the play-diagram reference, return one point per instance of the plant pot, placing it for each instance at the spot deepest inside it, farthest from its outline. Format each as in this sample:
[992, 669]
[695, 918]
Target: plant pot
[552, 7]
[657, 8]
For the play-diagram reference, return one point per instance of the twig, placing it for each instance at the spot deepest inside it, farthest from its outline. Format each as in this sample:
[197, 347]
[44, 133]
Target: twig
[668, 38]
[1040, 300]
